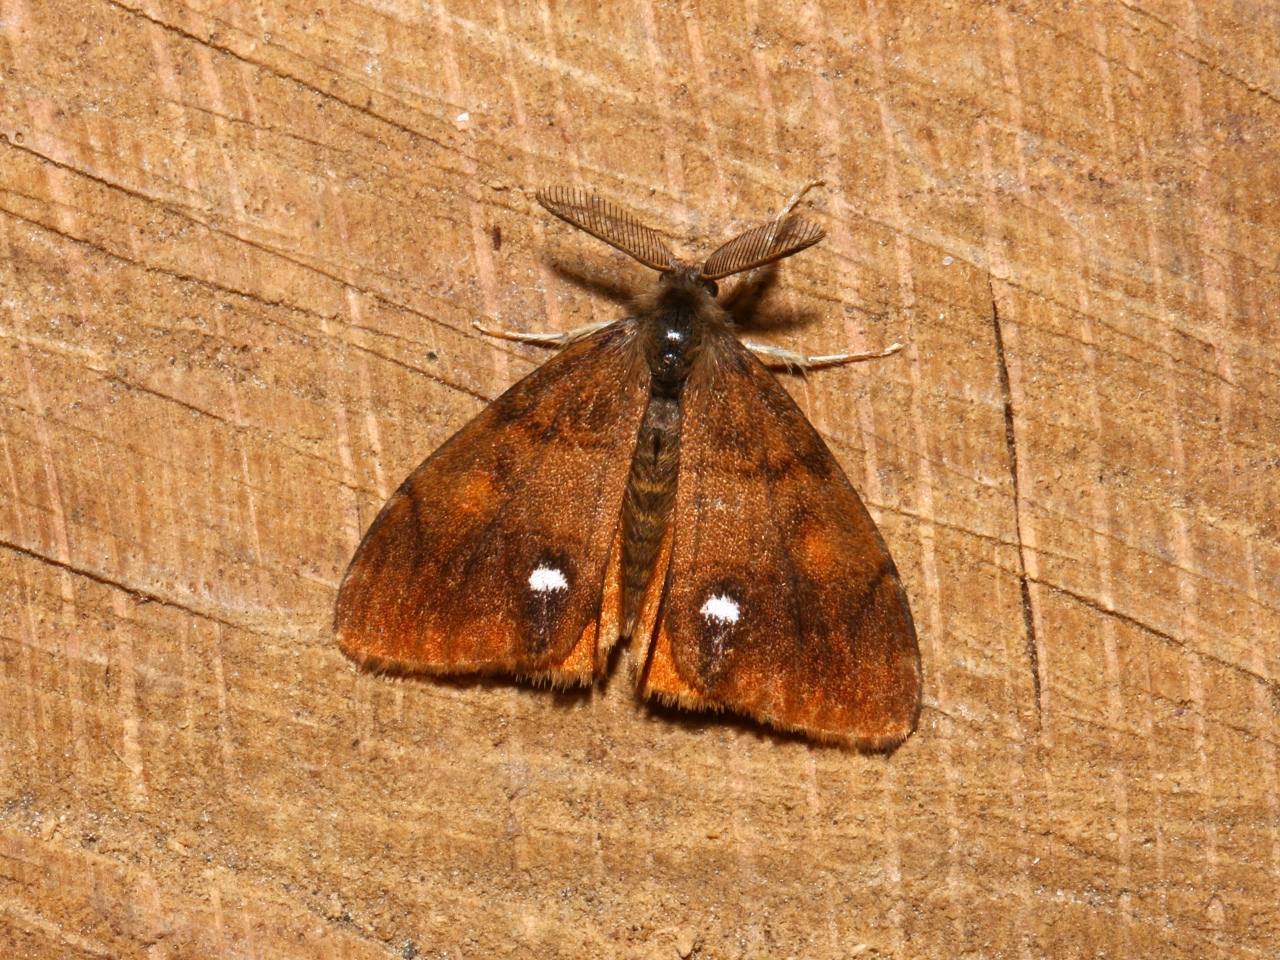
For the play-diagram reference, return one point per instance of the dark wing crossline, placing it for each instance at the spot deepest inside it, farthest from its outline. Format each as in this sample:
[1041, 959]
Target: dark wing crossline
[607, 222]
[762, 245]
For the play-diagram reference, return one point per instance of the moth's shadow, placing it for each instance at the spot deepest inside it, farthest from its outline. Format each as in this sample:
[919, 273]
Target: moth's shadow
[697, 721]
[692, 721]
[597, 284]
[560, 696]
[563, 697]
[752, 308]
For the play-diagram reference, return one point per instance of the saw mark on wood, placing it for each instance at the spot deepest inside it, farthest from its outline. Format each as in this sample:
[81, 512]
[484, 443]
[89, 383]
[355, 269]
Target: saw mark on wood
[661, 84]
[705, 96]
[62, 541]
[191, 217]
[760, 67]
[550, 307]
[245, 429]
[466, 151]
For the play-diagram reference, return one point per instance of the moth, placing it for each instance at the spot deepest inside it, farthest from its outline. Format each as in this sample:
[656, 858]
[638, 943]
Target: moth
[654, 483]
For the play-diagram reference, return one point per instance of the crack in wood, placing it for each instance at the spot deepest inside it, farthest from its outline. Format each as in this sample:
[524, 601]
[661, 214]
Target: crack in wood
[1011, 444]
[134, 591]
[1168, 638]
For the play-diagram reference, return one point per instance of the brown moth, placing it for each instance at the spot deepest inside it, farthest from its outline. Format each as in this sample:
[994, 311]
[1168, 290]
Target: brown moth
[652, 482]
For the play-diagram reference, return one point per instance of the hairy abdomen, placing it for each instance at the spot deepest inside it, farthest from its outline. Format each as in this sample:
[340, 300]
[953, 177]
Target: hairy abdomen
[651, 492]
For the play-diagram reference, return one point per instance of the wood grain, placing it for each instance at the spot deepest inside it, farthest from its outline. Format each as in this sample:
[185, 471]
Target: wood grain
[241, 250]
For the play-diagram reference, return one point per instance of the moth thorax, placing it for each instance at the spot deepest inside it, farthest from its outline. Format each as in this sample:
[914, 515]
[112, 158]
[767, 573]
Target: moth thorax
[680, 314]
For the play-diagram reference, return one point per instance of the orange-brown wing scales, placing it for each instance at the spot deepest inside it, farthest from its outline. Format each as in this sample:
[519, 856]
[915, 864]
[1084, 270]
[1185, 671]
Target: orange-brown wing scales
[491, 557]
[783, 602]
[609, 627]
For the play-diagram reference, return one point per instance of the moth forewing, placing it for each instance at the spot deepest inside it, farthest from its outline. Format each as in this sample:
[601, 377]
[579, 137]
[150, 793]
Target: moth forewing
[491, 555]
[784, 603]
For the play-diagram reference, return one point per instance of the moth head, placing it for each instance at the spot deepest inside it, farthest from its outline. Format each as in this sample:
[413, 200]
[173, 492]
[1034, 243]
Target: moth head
[684, 274]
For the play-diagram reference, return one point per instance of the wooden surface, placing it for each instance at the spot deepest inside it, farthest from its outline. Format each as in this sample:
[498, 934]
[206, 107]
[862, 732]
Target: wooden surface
[242, 246]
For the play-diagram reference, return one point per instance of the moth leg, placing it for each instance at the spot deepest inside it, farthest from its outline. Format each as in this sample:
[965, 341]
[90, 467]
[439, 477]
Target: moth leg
[780, 357]
[545, 339]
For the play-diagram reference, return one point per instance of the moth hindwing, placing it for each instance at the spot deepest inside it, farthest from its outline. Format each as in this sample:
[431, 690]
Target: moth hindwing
[653, 482]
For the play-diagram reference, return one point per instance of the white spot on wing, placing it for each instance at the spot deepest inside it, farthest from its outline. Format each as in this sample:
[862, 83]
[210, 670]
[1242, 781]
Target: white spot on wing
[545, 579]
[721, 609]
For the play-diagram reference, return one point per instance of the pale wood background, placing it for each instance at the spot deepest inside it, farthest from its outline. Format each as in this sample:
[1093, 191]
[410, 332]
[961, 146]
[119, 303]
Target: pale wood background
[241, 249]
